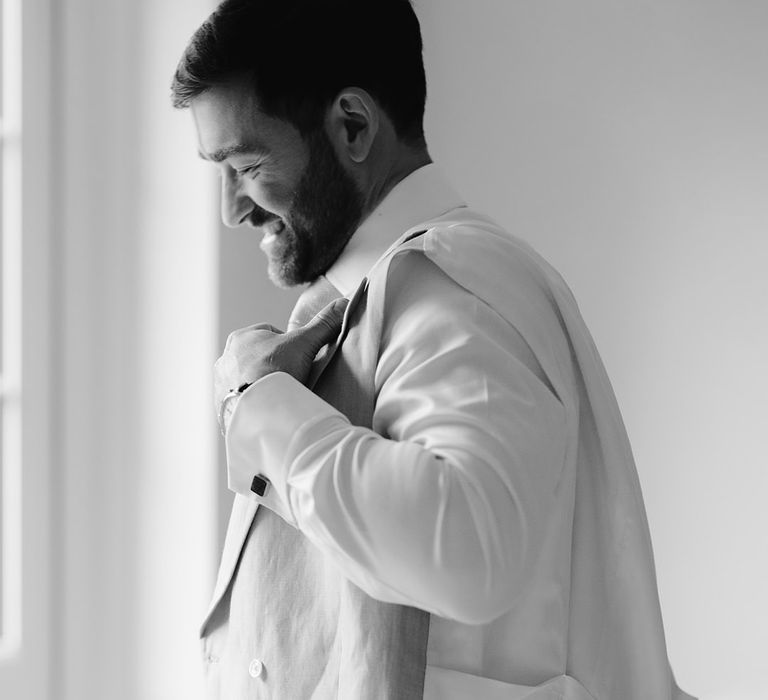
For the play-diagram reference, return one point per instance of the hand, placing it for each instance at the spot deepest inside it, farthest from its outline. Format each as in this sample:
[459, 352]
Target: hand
[256, 351]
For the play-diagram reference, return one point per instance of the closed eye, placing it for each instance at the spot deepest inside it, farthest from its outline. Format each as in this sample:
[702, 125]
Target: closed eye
[251, 171]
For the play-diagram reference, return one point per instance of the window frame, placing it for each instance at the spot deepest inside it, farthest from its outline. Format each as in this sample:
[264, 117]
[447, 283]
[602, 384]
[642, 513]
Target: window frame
[10, 297]
[25, 654]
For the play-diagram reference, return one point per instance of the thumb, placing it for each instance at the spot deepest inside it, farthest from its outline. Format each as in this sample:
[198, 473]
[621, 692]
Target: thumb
[325, 326]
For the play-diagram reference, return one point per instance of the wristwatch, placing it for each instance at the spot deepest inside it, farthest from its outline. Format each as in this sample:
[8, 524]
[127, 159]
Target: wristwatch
[227, 406]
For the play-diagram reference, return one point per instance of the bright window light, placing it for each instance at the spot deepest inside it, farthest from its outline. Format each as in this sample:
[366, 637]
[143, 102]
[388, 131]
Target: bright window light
[10, 328]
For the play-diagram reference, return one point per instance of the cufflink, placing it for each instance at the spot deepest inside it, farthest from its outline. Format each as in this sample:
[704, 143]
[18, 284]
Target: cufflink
[259, 485]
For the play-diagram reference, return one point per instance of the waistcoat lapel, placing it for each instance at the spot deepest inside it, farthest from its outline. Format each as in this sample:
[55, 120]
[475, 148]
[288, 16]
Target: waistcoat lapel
[244, 509]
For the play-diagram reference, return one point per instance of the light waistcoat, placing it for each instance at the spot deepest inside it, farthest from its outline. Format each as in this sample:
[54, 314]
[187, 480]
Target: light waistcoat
[287, 612]
[284, 624]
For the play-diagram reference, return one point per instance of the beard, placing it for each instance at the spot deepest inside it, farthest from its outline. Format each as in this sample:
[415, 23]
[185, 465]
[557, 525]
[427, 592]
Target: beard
[327, 208]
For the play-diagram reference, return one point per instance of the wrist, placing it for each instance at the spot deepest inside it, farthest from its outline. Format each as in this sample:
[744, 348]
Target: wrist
[227, 407]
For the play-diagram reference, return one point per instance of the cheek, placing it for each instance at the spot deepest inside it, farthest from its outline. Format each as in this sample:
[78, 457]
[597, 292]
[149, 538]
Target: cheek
[273, 195]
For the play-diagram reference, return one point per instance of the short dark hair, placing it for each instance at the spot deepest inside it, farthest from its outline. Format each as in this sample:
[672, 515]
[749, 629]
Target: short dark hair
[299, 54]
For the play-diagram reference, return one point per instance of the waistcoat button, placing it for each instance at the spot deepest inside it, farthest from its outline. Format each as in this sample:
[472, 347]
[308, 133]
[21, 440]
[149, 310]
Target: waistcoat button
[256, 668]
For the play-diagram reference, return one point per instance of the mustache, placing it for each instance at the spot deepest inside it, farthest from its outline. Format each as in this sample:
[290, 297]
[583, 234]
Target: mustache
[259, 217]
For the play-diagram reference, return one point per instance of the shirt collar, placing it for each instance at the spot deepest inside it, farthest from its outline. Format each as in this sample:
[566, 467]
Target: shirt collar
[423, 195]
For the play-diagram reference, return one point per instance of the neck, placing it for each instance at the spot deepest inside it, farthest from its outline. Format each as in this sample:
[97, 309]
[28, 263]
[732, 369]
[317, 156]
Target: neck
[393, 171]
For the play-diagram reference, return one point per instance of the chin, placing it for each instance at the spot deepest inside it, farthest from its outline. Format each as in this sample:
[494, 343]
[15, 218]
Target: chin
[283, 275]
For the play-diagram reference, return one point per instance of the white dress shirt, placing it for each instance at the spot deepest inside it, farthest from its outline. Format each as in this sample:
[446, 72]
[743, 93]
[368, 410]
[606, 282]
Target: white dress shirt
[460, 500]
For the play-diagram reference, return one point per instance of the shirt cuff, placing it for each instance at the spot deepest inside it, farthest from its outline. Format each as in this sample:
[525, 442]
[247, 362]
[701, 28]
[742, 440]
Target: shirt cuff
[268, 419]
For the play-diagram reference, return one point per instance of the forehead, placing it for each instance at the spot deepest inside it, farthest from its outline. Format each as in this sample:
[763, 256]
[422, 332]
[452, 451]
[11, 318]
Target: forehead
[229, 121]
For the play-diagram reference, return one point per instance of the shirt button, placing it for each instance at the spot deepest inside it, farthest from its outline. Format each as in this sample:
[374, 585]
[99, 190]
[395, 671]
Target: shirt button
[256, 668]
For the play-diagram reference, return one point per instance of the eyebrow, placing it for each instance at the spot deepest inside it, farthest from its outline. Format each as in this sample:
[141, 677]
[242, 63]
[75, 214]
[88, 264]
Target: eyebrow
[228, 151]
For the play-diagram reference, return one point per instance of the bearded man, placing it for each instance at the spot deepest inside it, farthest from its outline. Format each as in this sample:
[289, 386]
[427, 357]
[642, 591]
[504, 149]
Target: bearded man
[435, 494]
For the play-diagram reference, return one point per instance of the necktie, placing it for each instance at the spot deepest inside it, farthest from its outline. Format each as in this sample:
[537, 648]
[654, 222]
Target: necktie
[313, 299]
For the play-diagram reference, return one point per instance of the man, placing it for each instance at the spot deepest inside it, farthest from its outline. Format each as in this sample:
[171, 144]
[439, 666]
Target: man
[435, 493]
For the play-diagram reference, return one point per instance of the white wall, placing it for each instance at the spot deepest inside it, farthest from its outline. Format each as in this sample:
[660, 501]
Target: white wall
[628, 142]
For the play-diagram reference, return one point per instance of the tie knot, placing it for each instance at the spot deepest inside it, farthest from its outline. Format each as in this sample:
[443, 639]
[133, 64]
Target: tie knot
[314, 298]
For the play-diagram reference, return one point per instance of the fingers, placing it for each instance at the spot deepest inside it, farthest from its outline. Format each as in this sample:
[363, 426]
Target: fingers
[236, 335]
[264, 327]
[325, 326]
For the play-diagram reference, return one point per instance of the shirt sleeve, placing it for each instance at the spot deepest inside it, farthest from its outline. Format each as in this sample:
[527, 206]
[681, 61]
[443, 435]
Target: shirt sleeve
[444, 504]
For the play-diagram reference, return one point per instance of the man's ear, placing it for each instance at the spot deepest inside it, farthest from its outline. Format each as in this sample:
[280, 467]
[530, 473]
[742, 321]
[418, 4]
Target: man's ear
[353, 122]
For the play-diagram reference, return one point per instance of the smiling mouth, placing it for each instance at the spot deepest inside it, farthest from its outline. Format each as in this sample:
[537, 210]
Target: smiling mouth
[273, 228]
[271, 231]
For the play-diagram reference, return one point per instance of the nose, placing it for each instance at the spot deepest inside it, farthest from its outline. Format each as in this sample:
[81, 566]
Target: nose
[235, 204]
